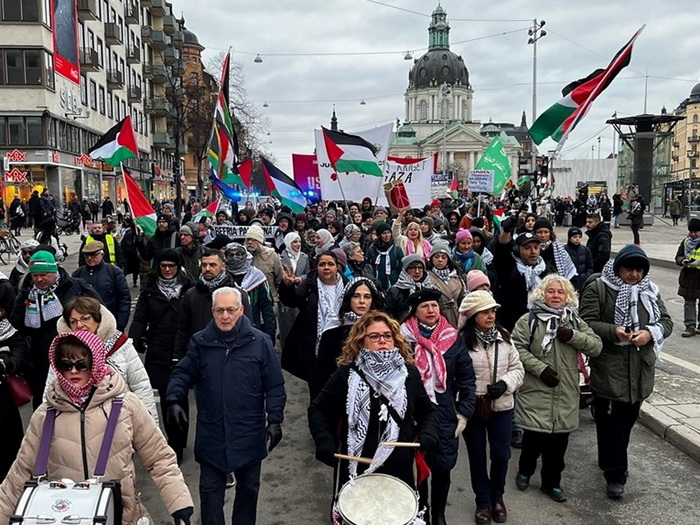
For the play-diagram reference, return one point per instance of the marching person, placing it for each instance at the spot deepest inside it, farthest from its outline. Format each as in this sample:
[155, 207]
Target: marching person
[412, 242]
[599, 241]
[548, 340]
[636, 217]
[448, 278]
[413, 277]
[580, 256]
[446, 370]
[240, 408]
[385, 256]
[688, 257]
[84, 390]
[624, 307]
[293, 257]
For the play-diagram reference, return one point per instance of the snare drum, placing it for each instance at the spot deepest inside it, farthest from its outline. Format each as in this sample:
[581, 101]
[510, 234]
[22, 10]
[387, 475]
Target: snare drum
[377, 499]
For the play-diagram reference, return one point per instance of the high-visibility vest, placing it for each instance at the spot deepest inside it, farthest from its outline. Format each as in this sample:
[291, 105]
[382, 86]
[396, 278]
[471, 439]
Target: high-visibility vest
[111, 250]
[695, 256]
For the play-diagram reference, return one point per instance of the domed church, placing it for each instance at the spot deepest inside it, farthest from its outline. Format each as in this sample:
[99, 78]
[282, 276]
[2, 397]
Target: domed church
[438, 109]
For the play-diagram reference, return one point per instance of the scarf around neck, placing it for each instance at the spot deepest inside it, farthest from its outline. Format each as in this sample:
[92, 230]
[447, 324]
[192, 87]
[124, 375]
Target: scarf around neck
[563, 262]
[170, 288]
[488, 337]
[384, 250]
[330, 298]
[531, 273]
[42, 305]
[405, 282]
[553, 318]
[464, 260]
[429, 353]
[444, 274]
[215, 283]
[384, 372]
[690, 245]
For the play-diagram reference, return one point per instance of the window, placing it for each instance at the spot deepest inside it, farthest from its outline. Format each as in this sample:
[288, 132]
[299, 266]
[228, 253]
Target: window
[24, 67]
[423, 110]
[51, 140]
[3, 132]
[32, 67]
[695, 119]
[93, 94]
[100, 53]
[83, 90]
[34, 136]
[17, 130]
[194, 79]
[110, 110]
[46, 12]
[48, 70]
[102, 100]
[445, 109]
[117, 113]
[693, 163]
[14, 67]
[90, 42]
[124, 108]
[20, 10]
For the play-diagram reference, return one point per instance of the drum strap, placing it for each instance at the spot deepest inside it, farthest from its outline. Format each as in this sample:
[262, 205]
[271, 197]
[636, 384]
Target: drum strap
[101, 465]
[42, 459]
[392, 411]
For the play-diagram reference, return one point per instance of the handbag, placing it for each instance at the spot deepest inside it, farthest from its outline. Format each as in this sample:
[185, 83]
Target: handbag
[484, 405]
[20, 393]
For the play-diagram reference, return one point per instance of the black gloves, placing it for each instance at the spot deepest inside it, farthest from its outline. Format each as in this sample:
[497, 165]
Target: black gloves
[564, 334]
[550, 377]
[326, 455]
[177, 418]
[428, 442]
[273, 435]
[183, 515]
[508, 225]
[496, 390]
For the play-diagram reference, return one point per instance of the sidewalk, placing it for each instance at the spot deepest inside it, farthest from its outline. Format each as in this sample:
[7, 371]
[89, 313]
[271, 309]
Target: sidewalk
[71, 263]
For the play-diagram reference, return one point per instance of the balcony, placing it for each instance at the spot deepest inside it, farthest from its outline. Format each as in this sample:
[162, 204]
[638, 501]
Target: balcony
[175, 93]
[169, 24]
[113, 36]
[87, 10]
[146, 34]
[134, 94]
[131, 12]
[694, 138]
[178, 39]
[158, 8]
[178, 69]
[133, 55]
[692, 153]
[158, 42]
[157, 107]
[160, 139]
[170, 56]
[156, 72]
[89, 61]
[115, 80]
[146, 3]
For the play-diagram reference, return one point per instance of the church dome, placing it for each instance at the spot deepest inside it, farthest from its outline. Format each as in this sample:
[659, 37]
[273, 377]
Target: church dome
[695, 94]
[438, 64]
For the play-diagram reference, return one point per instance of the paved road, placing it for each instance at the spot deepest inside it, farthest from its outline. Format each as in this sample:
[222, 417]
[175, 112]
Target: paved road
[664, 484]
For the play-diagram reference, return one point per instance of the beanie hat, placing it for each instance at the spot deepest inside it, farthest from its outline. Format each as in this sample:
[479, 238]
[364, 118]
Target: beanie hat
[476, 278]
[429, 221]
[268, 211]
[694, 225]
[574, 231]
[441, 246]
[185, 230]
[379, 209]
[256, 233]
[43, 262]
[542, 223]
[351, 229]
[331, 211]
[382, 227]
[630, 256]
[163, 217]
[477, 302]
[32, 244]
[422, 296]
[169, 255]
[300, 217]
[436, 204]
[340, 255]
[219, 242]
[463, 234]
[93, 247]
[411, 259]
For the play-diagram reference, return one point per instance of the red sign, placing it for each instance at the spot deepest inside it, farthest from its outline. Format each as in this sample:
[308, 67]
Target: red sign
[56, 157]
[66, 58]
[83, 159]
[305, 171]
[16, 156]
[16, 176]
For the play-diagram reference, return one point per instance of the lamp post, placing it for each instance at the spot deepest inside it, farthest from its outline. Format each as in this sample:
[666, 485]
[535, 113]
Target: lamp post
[445, 91]
[535, 32]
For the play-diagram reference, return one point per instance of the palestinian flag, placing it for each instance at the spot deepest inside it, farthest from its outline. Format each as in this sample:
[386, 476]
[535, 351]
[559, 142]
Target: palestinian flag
[351, 153]
[207, 212]
[283, 187]
[117, 145]
[141, 209]
[498, 216]
[560, 119]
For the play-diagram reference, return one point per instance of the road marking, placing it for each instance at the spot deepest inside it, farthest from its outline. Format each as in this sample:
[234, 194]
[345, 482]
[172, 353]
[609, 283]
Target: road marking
[681, 362]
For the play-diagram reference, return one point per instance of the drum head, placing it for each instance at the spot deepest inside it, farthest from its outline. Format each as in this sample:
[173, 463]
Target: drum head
[377, 499]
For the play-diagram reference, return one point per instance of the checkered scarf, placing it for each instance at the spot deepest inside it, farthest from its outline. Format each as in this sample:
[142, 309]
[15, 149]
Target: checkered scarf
[42, 305]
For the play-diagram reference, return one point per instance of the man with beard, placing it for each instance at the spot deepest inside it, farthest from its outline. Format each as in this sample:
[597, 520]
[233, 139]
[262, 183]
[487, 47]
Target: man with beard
[113, 254]
[264, 259]
[164, 238]
[599, 241]
[190, 250]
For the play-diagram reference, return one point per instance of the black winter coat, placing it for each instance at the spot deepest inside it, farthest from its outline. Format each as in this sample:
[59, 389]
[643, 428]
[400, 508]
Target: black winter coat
[190, 258]
[159, 242]
[688, 278]
[8, 295]
[599, 243]
[156, 319]
[328, 425]
[239, 390]
[109, 282]
[12, 429]
[582, 259]
[329, 350]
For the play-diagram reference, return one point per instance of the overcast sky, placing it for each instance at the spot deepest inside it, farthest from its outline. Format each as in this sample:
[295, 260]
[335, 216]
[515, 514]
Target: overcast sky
[300, 83]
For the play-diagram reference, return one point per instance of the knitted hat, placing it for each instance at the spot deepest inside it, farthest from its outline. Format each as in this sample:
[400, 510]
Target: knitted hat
[29, 244]
[168, 255]
[429, 221]
[331, 211]
[542, 223]
[476, 278]
[93, 247]
[379, 209]
[300, 217]
[186, 230]
[630, 256]
[422, 296]
[412, 259]
[477, 302]
[694, 225]
[463, 234]
[256, 233]
[441, 246]
[436, 204]
[43, 262]
[382, 227]
[351, 229]
[163, 217]
[342, 258]
[574, 231]
[268, 211]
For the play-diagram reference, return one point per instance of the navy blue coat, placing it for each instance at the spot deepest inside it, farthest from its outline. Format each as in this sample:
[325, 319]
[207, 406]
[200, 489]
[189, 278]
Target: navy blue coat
[109, 282]
[239, 389]
[583, 260]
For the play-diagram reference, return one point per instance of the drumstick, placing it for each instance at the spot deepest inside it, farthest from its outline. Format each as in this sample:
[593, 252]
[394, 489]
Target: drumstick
[400, 444]
[366, 461]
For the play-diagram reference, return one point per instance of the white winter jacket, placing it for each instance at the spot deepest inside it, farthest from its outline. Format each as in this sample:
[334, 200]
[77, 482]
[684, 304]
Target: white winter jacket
[125, 361]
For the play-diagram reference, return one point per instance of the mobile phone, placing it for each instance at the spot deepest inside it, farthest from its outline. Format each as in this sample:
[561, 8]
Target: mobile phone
[628, 330]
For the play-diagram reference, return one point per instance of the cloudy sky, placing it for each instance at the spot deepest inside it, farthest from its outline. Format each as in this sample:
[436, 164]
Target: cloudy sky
[320, 52]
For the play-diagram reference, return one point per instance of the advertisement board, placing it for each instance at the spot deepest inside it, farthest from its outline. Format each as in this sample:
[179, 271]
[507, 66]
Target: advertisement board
[64, 19]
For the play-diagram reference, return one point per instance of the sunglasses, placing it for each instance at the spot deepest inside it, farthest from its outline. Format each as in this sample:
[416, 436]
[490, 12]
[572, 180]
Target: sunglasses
[66, 366]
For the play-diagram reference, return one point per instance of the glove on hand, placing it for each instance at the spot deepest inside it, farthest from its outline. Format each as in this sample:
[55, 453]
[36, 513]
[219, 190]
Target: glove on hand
[183, 515]
[550, 377]
[496, 390]
[508, 225]
[273, 435]
[694, 263]
[428, 442]
[177, 418]
[326, 455]
[461, 425]
[564, 334]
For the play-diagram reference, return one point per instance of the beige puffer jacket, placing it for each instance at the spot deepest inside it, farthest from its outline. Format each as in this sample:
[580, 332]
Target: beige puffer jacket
[509, 369]
[268, 262]
[136, 432]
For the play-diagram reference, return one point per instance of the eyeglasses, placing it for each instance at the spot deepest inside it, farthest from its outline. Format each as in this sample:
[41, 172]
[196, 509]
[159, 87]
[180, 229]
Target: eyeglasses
[414, 268]
[82, 320]
[221, 311]
[91, 255]
[375, 336]
[167, 266]
[64, 365]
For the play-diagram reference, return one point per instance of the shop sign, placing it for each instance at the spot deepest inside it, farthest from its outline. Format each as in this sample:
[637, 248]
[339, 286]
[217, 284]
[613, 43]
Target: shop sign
[83, 159]
[16, 176]
[16, 156]
[56, 157]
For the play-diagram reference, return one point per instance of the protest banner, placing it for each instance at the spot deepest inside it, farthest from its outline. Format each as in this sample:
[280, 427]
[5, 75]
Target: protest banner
[239, 232]
[481, 181]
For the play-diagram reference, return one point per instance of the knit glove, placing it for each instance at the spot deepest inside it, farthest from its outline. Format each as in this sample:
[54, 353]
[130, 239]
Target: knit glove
[273, 435]
[461, 425]
[550, 377]
[326, 455]
[564, 334]
[183, 515]
[496, 390]
[428, 442]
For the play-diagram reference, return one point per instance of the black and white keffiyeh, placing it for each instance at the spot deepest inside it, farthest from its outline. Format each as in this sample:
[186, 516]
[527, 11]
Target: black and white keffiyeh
[170, 288]
[330, 298]
[563, 262]
[444, 274]
[553, 318]
[531, 273]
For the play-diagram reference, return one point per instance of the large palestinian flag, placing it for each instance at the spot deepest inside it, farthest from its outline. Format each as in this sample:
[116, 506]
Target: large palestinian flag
[141, 209]
[558, 121]
[350, 153]
[117, 145]
[283, 187]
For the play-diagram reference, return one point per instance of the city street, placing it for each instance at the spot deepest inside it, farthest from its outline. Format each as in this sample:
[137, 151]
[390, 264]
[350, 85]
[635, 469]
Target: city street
[664, 483]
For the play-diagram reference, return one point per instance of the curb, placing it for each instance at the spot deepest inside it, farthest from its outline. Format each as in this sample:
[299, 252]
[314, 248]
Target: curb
[681, 436]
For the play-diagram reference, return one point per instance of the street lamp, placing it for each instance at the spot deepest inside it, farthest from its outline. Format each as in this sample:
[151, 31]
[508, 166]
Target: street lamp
[445, 91]
[535, 32]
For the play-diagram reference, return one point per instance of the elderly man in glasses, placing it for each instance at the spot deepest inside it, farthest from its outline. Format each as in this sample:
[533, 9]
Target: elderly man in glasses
[240, 408]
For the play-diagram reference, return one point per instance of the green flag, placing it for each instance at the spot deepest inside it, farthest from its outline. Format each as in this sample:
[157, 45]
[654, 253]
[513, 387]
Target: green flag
[495, 159]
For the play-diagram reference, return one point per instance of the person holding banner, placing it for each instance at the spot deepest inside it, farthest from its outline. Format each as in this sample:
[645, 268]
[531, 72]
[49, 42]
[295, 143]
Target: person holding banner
[413, 241]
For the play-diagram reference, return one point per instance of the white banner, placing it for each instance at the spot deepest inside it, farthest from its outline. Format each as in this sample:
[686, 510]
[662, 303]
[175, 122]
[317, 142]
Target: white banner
[352, 186]
[416, 175]
[481, 181]
[239, 232]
